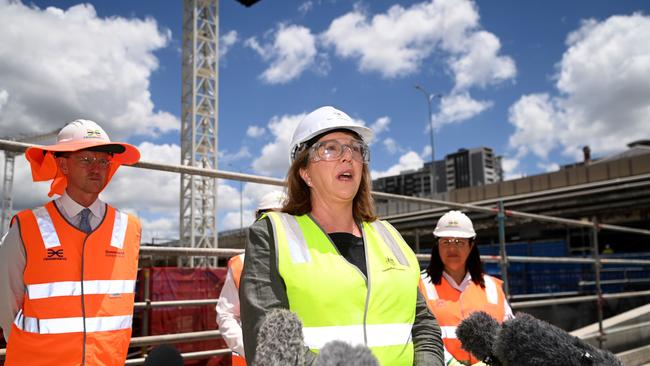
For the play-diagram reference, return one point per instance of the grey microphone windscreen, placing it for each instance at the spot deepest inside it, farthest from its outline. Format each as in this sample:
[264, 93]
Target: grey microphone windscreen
[339, 353]
[478, 333]
[280, 341]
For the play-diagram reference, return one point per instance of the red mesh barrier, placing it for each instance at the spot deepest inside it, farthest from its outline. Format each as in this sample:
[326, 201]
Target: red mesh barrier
[172, 283]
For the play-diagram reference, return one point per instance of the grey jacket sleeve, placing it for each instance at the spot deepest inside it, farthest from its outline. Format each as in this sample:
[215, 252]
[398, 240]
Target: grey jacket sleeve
[12, 286]
[426, 335]
[261, 288]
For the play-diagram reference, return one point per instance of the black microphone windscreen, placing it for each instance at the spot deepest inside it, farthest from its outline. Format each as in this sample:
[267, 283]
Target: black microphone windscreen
[478, 333]
[528, 341]
[164, 355]
[339, 353]
[280, 340]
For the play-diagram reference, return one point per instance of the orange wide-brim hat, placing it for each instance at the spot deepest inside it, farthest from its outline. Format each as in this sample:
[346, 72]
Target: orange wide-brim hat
[75, 136]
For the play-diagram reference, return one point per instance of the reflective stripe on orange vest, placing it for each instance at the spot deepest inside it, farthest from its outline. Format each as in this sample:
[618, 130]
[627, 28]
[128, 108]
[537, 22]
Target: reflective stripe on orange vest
[450, 308]
[78, 304]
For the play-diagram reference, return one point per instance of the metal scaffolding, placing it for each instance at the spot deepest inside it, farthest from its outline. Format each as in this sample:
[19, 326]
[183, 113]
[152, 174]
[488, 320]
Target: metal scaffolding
[199, 127]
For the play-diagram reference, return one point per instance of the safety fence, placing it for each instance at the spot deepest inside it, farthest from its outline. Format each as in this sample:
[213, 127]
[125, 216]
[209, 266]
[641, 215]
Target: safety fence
[502, 259]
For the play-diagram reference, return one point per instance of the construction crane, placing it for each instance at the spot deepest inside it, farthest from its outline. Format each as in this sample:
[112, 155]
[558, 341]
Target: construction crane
[8, 180]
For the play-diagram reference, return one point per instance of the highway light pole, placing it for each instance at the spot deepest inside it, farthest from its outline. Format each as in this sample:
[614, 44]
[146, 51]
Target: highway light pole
[430, 96]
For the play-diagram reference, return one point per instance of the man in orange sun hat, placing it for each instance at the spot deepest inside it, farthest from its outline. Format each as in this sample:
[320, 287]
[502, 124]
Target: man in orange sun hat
[68, 268]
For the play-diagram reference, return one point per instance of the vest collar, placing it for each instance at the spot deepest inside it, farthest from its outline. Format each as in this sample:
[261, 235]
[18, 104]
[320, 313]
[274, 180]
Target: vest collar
[72, 208]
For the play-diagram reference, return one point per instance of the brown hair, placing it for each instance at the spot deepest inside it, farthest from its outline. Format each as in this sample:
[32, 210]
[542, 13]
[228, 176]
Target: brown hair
[298, 200]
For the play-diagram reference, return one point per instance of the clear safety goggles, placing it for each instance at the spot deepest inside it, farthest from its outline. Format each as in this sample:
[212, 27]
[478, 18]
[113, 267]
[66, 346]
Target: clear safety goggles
[458, 243]
[330, 150]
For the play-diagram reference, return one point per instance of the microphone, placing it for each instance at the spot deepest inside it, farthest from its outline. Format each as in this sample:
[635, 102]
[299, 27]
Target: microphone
[478, 334]
[280, 341]
[528, 341]
[164, 355]
[339, 353]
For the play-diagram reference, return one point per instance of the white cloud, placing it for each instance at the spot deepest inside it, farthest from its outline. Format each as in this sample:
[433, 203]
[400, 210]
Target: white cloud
[380, 125]
[549, 167]
[292, 51]
[226, 41]
[274, 158]
[306, 7]
[457, 108]
[397, 42]
[426, 153]
[391, 145]
[96, 68]
[410, 160]
[480, 64]
[255, 131]
[511, 169]
[535, 120]
[226, 157]
[603, 83]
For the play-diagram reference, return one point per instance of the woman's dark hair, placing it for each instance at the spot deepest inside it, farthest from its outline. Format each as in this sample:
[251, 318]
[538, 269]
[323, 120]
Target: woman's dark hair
[298, 200]
[473, 264]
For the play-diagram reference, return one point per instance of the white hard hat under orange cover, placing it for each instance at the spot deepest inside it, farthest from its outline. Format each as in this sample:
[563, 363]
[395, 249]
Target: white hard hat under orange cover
[454, 224]
[322, 120]
[77, 135]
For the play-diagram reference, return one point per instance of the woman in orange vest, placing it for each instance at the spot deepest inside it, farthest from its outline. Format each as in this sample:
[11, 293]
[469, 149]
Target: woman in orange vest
[455, 284]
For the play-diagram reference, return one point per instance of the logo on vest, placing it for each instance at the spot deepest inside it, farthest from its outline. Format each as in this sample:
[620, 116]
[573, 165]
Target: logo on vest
[114, 253]
[55, 255]
[390, 263]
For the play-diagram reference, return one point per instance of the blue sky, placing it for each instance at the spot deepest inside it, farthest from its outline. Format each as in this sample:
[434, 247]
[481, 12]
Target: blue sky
[535, 81]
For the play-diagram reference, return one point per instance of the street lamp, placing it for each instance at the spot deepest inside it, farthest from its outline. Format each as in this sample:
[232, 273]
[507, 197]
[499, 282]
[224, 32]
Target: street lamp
[430, 96]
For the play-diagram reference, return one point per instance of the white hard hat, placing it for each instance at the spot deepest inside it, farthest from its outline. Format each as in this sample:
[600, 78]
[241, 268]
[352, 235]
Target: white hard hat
[273, 200]
[454, 224]
[322, 120]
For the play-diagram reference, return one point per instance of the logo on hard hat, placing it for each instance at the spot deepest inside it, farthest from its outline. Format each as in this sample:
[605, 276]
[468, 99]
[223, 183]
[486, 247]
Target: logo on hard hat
[93, 134]
[453, 223]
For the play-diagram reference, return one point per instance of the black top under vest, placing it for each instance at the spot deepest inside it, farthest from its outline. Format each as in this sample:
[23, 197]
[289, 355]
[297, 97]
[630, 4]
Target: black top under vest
[351, 248]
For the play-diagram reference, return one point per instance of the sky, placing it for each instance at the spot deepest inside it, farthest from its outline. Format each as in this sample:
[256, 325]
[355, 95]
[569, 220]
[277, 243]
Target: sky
[534, 81]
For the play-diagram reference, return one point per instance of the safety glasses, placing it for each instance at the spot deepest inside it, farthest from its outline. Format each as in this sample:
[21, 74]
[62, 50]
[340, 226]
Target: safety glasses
[330, 150]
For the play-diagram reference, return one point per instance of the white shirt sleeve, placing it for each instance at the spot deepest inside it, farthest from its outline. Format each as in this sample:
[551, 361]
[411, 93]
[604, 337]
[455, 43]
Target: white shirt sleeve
[12, 286]
[228, 316]
[507, 311]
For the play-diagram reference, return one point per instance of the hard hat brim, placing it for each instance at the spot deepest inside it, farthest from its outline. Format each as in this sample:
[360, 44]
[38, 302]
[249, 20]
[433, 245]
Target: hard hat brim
[453, 234]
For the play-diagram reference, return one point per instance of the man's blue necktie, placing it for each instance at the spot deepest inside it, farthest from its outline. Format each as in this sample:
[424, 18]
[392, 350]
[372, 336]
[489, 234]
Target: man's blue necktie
[84, 223]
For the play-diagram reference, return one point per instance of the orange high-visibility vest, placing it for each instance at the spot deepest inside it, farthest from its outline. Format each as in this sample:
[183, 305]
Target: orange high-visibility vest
[78, 303]
[236, 265]
[451, 307]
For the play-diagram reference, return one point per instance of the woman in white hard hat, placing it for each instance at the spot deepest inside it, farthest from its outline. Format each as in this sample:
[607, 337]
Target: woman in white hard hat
[455, 284]
[326, 257]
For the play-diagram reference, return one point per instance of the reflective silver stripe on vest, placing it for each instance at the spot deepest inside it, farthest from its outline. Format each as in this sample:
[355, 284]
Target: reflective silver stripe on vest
[119, 229]
[389, 240]
[491, 290]
[295, 239]
[72, 325]
[379, 335]
[432, 293]
[46, 227]
[73, 288]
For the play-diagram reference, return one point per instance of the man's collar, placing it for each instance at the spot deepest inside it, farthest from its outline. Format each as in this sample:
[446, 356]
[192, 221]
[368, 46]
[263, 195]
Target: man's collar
[72, 208]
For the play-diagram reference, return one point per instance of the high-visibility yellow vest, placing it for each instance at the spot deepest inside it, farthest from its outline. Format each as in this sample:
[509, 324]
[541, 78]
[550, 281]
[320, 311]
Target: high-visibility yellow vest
[335, 301]
[78, 303]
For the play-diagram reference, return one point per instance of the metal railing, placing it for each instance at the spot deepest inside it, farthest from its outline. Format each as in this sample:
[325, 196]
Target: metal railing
[503, 259]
